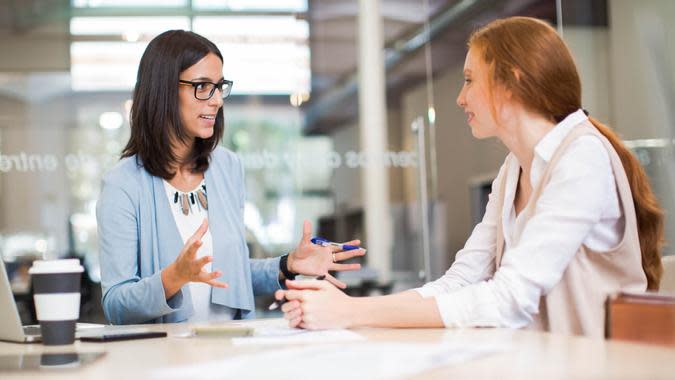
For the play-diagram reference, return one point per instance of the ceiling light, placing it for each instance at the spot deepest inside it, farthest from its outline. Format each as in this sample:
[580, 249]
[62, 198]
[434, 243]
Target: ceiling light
[431, 114]
[110, 120]
[131, 36]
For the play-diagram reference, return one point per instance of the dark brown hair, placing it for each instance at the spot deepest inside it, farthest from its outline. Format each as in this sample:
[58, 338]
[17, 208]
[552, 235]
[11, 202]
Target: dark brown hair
[527, 57]
[155, 117]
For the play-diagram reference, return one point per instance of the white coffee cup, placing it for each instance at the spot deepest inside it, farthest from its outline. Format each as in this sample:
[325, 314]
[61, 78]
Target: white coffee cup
[56, 293]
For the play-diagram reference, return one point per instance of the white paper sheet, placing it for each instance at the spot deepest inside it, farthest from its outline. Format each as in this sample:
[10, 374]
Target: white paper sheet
[276, 331]
[364, 360]
[277, 337]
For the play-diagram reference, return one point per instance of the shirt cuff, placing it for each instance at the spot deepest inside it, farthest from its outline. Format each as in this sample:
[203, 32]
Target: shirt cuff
[426, 291]
[437, 287]
[470, 306]
[451, 310]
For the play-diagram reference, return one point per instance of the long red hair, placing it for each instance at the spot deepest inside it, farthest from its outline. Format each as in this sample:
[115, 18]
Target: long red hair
[527, 56]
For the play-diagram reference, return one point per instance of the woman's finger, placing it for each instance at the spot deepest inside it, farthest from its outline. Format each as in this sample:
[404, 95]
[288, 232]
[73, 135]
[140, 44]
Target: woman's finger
[191, 249]
[201, 230]
[210, 278]
[293, 314]
[202, 261]
[195, 241]
[294, 322]
[206, 276]
[352, 242]
[345, 267]
[217, 284]
[211, 275]
[306, 232]
[279, 295]
[346, 255]
[295, 295]
[335, 281]
[309, 284]
[335, 248]
[290, 305]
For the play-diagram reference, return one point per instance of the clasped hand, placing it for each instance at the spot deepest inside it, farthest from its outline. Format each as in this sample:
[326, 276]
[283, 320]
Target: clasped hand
[316, 305]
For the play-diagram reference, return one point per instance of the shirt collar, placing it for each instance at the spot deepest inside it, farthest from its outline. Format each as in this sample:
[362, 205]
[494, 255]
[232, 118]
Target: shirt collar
[548, 145]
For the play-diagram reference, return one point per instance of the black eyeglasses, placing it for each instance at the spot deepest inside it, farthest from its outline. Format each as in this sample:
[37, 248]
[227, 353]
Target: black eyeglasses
[205, 90]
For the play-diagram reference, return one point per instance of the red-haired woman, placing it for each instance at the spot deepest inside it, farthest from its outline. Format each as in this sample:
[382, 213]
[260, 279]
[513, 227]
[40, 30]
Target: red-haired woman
[571, 217]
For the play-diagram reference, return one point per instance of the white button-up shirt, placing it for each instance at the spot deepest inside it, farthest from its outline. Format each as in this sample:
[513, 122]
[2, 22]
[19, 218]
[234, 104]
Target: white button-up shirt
[579, 205]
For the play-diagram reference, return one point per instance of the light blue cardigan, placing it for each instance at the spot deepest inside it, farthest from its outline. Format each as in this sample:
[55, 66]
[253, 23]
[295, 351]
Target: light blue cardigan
[138, 237]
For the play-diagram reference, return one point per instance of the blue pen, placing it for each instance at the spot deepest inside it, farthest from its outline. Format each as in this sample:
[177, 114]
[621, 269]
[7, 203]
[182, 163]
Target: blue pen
[326, 243]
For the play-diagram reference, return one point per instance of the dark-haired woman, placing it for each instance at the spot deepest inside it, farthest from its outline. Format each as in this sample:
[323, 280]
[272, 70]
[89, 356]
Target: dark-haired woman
[571, 217]
[170, 214]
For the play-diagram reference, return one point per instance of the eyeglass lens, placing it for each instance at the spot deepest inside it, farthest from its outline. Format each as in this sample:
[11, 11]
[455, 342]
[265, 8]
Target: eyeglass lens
[205, 91]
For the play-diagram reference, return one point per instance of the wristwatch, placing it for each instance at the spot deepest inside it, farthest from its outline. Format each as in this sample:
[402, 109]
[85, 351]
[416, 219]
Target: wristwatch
[283, 267]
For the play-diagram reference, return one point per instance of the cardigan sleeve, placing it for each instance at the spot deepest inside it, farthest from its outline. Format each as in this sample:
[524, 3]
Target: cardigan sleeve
[127, 298]
[265, 275]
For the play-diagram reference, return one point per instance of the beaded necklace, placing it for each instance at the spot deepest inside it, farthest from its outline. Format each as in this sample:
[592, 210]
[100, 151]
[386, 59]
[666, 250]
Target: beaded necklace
[196, 198]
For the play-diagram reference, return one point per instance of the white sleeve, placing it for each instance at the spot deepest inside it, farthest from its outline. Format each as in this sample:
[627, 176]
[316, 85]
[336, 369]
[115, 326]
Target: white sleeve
[568, 208]
[476, 261]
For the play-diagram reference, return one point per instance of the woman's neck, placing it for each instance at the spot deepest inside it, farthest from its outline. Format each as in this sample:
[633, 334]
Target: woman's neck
[521, 134]
[185, 178]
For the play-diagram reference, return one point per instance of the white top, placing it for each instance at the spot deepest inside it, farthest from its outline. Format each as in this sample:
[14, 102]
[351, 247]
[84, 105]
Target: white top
[204, 310]
[580, 205]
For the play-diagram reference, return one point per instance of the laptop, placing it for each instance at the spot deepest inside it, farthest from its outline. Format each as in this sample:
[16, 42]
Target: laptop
[10, 322]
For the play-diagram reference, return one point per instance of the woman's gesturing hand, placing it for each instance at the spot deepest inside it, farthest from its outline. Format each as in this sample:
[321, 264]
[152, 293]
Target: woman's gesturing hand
[315, 260]
[188, 268]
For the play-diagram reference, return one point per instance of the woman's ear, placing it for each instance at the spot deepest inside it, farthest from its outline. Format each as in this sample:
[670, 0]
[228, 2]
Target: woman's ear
[517, 74]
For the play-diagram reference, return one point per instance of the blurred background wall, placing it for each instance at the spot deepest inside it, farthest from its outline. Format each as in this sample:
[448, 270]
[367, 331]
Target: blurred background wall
[67, 70]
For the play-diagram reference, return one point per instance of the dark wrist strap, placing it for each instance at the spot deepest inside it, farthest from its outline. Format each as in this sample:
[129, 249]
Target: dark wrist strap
[283, 267]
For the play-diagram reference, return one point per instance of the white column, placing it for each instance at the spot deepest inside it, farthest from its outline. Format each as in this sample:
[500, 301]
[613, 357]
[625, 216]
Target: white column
[373, 134]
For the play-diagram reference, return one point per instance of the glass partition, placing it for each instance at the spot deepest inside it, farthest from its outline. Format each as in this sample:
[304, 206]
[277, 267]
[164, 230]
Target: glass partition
[627, 66]
[64, 119]
[318, 128]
